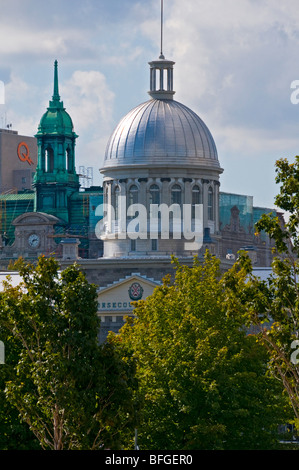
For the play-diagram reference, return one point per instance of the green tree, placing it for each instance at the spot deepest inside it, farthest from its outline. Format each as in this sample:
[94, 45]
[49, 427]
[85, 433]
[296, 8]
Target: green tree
[72, 392]
[14, 434]
[201, 377]
[273, 305]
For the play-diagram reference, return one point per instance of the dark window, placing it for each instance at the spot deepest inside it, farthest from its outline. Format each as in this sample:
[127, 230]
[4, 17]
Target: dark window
[176, 194]
[49, 160]
[196, 199]
[154, 244]
[210, 204]
[154, 193]
[116, 202]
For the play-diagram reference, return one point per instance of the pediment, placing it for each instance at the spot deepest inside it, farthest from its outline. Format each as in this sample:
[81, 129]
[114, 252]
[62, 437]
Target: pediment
[35, 218]
[118, 297]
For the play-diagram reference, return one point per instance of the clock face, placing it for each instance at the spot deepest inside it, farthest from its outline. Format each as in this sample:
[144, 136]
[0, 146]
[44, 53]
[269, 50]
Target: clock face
[33, 240]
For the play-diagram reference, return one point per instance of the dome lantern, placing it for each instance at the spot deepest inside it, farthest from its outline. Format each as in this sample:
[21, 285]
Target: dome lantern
[161, 79]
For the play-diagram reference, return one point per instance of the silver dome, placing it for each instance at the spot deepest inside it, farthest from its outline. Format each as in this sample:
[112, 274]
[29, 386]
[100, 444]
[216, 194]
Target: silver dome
[161, 132]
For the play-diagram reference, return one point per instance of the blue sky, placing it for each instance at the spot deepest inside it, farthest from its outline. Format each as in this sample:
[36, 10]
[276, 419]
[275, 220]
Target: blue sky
[235, 62]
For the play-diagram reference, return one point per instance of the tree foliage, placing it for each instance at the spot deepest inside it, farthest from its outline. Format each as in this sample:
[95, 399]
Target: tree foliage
[202, 380]
[14, 433]
[273, 305]
[72, 392]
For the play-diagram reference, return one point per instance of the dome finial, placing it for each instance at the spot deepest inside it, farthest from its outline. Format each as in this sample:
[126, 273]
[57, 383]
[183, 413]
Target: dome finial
[162, 20]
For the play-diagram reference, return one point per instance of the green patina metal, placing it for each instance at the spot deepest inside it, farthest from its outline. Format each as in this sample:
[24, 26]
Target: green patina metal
[56, 121]
[55, 179]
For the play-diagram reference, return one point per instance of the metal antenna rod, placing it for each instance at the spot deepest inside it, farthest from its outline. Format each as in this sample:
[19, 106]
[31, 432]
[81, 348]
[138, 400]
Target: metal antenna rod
[161, 29]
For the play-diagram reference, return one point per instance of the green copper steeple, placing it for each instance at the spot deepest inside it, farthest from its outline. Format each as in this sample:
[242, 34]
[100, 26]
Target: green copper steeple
[55, 179]
[56, 96]
[56, 120]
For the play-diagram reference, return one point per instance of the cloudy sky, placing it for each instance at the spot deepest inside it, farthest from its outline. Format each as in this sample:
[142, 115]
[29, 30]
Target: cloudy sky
[235, 63]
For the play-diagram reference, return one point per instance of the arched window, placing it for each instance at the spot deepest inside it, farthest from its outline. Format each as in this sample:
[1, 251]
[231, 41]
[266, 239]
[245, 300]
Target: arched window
[116, 201]
[176, 194]
[105, 192]
[210, 204]
[132, 199]
[154, 194]
[69, 160]
[133, 195]
[49, 159]
[196, 199]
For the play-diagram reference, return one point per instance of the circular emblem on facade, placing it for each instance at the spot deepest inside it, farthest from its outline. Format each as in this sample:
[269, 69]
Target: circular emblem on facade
[135, 291]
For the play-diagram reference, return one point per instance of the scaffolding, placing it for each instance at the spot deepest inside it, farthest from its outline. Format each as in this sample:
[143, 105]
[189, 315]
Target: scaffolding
[3, 219]
[86, 177]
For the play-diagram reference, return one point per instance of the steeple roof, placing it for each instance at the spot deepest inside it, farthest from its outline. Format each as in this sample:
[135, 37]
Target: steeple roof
[56, 96]
[56, 121]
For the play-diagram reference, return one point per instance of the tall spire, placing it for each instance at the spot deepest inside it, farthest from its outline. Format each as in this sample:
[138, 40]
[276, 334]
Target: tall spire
[56, 96]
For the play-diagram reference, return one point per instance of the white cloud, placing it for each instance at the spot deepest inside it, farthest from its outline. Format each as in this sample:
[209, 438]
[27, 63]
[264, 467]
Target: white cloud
[89, 98]
[22, 105]
[90, 103]
[16, 89]
[32, 42]
[251, 42]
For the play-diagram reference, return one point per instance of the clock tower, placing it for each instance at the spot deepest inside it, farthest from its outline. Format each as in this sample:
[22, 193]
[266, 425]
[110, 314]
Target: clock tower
[55, 178]
[34, 236]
